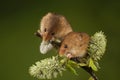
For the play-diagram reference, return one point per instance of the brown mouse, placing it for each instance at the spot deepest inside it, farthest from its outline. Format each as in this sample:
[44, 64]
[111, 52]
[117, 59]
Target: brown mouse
[52, 26]
[75, 44]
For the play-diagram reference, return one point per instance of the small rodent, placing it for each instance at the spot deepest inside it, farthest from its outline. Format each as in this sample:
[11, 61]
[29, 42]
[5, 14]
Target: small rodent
[75, 44]
[52, 26]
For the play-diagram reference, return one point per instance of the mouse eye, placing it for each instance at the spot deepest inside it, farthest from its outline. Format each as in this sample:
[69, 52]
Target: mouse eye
[65, 46]
[45, 30]
[52, 33]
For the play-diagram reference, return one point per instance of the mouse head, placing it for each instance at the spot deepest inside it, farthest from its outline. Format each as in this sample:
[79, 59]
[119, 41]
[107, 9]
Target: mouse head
[54, 26]
[74, 45]
[48, 26]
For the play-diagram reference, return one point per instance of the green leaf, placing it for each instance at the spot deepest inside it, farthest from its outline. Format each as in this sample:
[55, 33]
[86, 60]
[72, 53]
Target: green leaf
[92, 65]
[82, 64]
[71, 69]
[91, 78]
[63, 61]
[73, 63]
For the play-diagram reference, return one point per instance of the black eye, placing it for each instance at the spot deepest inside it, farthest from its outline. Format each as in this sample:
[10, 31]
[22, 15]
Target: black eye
[53, 33]
[65, 46]
[45, 30]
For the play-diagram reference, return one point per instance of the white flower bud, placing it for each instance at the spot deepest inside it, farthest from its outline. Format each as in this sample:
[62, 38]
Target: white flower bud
[45, 47]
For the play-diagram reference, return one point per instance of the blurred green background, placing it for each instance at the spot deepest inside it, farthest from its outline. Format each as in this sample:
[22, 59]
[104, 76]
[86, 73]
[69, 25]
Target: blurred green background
[19, 47]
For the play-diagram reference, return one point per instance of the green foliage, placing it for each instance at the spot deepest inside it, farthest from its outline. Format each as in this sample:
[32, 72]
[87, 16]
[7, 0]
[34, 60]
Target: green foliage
[50, 67]
[91, 78]
[71, 66]
[92, 65]
[47, 68]
[97, 47]
[73, 63]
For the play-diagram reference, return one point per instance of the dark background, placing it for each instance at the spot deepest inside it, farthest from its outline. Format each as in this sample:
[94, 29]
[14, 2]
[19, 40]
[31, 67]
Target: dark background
[19, 47]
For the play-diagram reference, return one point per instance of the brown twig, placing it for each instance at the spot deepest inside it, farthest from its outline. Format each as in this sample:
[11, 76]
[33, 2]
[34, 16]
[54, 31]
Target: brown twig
[86, 68]
[38, 34]
[90, 71]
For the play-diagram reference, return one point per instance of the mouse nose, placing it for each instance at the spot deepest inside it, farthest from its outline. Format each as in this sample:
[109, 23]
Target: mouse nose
[46, 37]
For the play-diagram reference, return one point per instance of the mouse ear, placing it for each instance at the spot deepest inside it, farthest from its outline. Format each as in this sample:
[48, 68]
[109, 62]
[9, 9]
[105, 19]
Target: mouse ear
[45, 47]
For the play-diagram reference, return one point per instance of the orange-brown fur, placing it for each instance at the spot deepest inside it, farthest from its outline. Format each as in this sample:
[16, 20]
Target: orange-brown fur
[77, 44]
[54, 23]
